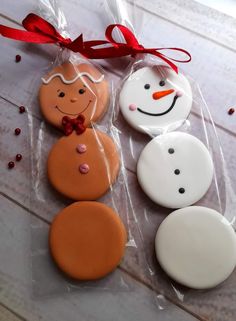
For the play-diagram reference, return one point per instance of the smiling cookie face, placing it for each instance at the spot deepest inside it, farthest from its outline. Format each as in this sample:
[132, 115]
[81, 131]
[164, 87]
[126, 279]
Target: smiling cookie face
[155, 98]
[71, 90]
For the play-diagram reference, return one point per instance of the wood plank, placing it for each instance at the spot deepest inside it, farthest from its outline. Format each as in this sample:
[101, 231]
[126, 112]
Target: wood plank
[208, 306]
[150, 215]
[7, 315]
[84, 304]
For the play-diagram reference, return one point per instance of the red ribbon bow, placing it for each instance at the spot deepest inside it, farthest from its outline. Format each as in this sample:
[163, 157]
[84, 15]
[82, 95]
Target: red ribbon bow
[40, 31]
[69, 124]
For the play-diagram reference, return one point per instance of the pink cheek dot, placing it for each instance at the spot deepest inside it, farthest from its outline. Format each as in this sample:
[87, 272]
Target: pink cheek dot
[132, 107]
[81, 148]
[179, 93]
[84, 168]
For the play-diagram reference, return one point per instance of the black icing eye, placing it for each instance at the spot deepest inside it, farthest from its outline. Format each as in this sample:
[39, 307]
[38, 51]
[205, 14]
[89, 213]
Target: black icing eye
[171, 150]
[61, 94]
[81, 91]
[162, 83]
[147, 86]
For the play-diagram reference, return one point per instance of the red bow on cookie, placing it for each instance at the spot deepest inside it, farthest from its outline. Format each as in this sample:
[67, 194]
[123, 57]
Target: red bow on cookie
[69, 124]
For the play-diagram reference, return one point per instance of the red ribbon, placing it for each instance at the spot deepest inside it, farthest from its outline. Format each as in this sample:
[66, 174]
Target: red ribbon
[70, 124]
[40, 31]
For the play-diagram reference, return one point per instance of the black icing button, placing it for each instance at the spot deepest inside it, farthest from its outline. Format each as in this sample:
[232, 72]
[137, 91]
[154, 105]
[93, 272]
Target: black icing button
[177, 171]
[181, 190]
[171, 150]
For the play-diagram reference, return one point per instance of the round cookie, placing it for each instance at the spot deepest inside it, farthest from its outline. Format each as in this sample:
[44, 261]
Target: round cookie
[83, 167]
[196, 246]
[175, 169]
[73, 90]
[155, 99]
[87, 240]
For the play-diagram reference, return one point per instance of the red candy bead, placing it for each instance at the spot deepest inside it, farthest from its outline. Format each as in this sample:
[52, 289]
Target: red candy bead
[21, 109]
[18, 157]
[17, 131]
[11, 165]
[18, 58]
[231, 111]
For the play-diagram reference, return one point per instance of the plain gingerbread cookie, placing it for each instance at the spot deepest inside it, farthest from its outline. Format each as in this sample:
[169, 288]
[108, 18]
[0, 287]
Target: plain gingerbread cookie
[87, 240]
[73, 90]
[83, 167]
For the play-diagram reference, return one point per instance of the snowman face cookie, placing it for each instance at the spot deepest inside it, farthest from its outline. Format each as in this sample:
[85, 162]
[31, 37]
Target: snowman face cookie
[71, 91]
[175, 170]
[155, 99]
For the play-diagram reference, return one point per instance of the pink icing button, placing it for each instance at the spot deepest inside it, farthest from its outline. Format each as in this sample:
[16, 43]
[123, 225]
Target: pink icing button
[132, 107]
[81, 148]
[84, 168]
[179, 93]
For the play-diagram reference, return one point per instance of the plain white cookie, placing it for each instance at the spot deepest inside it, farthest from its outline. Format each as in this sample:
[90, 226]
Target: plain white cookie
[175, 170]
[155, 99]
[196, 246]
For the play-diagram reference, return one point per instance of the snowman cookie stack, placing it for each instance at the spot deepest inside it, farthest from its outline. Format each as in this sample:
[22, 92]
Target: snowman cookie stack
[87, 239]
[196, 246]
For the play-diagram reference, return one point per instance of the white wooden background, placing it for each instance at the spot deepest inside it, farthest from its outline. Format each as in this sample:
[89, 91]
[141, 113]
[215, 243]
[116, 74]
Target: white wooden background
[211, 38]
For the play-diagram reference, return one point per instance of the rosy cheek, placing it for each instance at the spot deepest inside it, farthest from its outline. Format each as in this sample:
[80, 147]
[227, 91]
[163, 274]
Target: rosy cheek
[132, 107]
[179, 93]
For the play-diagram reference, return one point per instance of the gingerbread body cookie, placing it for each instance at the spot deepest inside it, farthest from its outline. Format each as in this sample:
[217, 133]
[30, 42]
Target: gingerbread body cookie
[83, 167]
[73, 90]
[87, 240]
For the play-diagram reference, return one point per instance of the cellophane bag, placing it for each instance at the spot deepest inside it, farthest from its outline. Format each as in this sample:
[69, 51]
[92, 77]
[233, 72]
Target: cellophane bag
[140, 118]
[51, 126]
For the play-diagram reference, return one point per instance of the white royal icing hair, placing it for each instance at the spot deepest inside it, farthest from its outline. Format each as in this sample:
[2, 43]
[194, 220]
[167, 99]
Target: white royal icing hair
[47, 81]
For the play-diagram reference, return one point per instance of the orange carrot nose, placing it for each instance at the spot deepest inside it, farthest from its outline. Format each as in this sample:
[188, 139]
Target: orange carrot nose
[161, 94]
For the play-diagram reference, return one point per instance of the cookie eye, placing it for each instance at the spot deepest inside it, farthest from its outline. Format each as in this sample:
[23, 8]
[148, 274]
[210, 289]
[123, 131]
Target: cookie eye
[162, 83]
[147, 86]
[62, 94]
[81, 91]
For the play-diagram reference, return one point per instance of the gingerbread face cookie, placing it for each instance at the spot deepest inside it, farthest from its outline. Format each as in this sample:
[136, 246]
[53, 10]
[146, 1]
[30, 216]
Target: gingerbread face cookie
[87, 240]
[83, 167]
[154, 99]
[71, 90]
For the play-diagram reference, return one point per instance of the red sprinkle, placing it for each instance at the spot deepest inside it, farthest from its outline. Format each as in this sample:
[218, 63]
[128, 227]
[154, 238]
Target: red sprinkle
[21, 109]
[17, 131]
[18, 157]
[11, 165]
[231, 111]
[18, 58]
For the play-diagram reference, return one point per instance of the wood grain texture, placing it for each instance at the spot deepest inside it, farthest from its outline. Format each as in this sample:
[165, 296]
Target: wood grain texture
[212, 305]
[84, 304]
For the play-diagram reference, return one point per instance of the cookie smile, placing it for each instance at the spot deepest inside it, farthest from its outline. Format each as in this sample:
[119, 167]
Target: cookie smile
[163, 113]
[76, 113]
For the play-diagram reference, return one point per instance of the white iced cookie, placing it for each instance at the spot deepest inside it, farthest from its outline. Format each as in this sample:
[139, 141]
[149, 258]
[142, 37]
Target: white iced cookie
[175, 169]
[196, 246]
[155, 99]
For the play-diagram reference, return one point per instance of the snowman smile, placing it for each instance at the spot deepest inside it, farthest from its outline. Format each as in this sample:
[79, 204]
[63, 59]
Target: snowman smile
[164, 112]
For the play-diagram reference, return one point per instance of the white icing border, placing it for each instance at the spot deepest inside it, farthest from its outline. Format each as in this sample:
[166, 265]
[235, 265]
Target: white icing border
[68, 82]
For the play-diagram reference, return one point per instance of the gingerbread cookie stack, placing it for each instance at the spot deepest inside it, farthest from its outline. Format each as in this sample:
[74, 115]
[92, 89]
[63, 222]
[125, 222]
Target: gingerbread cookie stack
[87, 239]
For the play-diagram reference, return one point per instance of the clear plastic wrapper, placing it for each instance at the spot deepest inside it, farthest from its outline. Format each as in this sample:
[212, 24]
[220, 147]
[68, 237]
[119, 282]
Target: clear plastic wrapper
[69, 82]
[157, 111]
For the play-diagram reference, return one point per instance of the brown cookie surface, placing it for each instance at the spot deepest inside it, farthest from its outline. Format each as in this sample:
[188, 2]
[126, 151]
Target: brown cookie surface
[83, 167]
[73, 90]
[87, 240]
